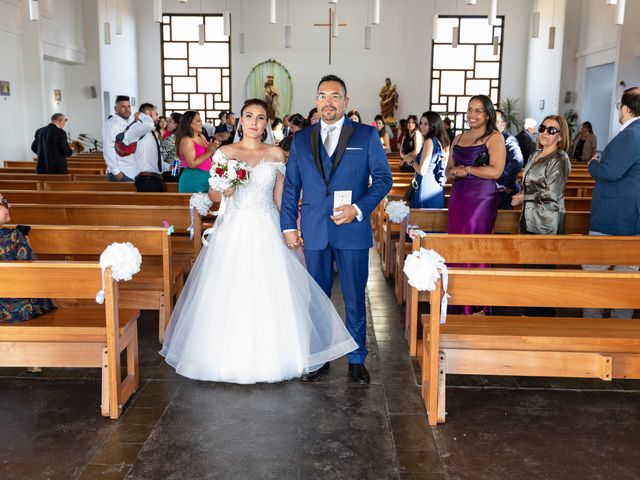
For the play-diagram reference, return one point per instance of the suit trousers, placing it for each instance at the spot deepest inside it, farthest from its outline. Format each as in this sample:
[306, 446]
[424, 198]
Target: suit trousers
[353, 271]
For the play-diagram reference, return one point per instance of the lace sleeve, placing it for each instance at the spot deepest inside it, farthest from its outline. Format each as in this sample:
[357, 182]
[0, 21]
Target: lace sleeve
[281, 168]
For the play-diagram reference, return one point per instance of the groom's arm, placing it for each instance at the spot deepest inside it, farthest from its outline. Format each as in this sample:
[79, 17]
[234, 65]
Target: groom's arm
[291, 193]
[380, 173]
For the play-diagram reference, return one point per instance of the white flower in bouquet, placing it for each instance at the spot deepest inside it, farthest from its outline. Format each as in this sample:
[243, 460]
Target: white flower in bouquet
[423, 269]
[231, 171]
[397, 210]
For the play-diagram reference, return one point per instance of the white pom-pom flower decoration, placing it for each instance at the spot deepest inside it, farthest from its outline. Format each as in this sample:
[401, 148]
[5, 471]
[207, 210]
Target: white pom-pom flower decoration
[125, 261]
[423, 269]
[201, 202]
[397, 210]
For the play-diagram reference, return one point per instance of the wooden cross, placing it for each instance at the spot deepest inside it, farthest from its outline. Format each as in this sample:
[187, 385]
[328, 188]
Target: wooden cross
[330, 24]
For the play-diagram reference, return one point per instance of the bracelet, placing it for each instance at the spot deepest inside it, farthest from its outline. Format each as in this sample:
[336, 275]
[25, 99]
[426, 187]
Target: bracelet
[466, 169]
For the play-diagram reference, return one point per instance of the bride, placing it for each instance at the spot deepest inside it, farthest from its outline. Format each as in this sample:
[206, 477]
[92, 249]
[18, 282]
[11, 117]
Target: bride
[249, 311]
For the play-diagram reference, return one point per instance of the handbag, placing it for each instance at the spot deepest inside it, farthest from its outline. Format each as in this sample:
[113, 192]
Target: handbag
[411, 191]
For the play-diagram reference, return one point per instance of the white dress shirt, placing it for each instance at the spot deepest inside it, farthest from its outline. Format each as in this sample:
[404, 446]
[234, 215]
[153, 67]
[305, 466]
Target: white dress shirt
[628, 122]
[147, 151]
[335, 136]
[116, 164]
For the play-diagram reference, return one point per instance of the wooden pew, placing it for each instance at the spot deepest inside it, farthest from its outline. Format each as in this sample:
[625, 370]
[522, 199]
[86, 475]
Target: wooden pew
[119, 215]
[19, 185]
[88, 336]
[153, 288]
[559, 250]
[71, 170]
[36, 177]
[99, 186]
[529, 346]
[432, 220]
[97, 198]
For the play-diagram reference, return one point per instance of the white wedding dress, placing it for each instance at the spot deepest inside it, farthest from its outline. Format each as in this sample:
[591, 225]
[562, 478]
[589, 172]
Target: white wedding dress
[249, 311]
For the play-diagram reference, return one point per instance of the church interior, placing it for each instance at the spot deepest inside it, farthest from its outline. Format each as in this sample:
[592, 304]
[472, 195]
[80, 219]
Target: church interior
[96, 400]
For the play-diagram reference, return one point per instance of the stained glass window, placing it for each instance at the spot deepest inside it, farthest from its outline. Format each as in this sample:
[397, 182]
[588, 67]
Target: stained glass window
[472, 67]
[195, 76]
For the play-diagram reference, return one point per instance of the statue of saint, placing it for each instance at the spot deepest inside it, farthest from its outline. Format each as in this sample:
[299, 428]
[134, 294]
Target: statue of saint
[271, 97]
[388, 99]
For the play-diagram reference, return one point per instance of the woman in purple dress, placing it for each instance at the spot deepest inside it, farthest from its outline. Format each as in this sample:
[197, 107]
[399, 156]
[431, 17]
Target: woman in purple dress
[477, 160]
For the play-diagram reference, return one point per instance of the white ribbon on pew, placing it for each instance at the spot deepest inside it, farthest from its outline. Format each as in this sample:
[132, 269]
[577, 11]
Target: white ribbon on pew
[397, 210]
[423, 269]
[125, 261]
[224, 203]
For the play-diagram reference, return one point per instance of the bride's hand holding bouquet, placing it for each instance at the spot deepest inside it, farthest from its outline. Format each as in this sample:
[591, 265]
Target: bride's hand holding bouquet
[226, 174]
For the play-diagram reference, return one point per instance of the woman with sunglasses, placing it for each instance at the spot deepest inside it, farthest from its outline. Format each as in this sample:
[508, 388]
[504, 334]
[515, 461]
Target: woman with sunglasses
[14, 246]
[544, 179]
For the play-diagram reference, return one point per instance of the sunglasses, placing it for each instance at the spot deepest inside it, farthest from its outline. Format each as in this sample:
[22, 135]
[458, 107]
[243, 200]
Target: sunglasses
[4, 202]
[549, 130]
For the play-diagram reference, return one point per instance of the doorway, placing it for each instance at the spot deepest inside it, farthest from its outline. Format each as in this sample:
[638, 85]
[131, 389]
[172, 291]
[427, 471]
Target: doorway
[598, 101]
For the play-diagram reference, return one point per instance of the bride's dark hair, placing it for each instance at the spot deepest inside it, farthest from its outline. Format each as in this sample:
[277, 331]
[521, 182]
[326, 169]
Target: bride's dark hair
[249, 103]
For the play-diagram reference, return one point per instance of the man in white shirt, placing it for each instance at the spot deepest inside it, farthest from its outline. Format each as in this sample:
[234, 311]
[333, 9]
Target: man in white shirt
[119, 169]
[148, 163]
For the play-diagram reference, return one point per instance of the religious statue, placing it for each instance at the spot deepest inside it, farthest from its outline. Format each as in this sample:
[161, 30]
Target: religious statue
[271, 97]
[388, 100]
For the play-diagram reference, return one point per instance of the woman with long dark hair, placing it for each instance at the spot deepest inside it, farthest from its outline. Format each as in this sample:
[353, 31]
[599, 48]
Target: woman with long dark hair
[382, 131]
[411, 144]
[429, 166]
[195, 153]
[584, 144]
[477, 160]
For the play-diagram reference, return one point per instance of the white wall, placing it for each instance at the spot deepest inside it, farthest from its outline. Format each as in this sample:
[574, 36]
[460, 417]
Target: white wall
[400, 48]
[545, 65]
[12, 140]
[119, 61]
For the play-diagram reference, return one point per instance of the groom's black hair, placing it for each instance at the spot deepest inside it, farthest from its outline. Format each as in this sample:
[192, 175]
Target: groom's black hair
[333, 78]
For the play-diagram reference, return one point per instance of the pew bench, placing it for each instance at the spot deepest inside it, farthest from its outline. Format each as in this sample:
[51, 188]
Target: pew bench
[160, 279]
[84, 336]
[528, 346]
[509, 250]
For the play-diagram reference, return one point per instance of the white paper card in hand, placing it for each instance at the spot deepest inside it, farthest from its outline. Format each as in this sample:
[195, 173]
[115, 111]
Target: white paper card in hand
[341, 198]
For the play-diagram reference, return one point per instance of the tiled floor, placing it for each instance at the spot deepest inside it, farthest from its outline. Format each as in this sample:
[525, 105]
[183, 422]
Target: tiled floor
[497, 427]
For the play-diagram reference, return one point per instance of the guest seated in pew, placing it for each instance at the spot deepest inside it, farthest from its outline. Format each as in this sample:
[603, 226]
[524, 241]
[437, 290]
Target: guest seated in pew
[410, 145]
[429, 166]
[543, 183]
[14, 246]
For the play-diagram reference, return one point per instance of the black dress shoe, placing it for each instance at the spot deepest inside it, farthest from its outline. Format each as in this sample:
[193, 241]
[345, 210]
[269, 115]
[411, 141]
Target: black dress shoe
[358, 373]
[307, 377]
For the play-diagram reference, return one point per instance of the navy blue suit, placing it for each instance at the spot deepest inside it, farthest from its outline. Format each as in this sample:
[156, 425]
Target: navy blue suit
[358, 156]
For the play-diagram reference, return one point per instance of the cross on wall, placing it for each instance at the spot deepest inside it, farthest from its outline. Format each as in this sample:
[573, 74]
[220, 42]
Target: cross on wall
[330, 24]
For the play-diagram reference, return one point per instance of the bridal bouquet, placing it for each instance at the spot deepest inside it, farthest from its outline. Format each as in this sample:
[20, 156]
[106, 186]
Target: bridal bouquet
[227, 172]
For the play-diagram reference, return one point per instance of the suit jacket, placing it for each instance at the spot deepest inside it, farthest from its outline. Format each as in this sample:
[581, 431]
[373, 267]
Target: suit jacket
[357, 157]
[615, 204]
[222, 128]
[527, 145]
[513, 164]
[51, 146]
[543, 183]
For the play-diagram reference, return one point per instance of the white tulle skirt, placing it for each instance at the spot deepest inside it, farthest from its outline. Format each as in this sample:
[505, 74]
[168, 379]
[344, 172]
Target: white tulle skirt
[249, 311]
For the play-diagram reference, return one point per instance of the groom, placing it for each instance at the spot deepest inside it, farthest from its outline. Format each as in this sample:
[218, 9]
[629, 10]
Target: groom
[332, 162]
